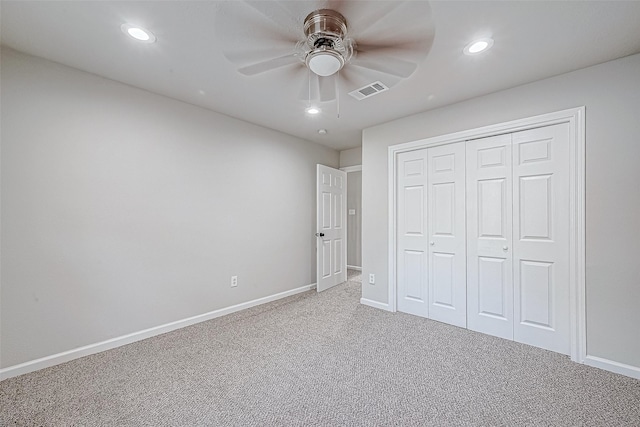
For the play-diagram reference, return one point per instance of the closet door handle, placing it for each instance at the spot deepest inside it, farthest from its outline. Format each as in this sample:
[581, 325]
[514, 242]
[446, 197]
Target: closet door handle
[505, 248]
[432, 243]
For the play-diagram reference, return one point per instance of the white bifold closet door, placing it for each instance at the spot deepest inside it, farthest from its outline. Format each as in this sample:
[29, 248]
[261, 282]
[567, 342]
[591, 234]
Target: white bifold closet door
[412, 294]
[447, 278]
[489, 261]
[431, 233]
[518, 236]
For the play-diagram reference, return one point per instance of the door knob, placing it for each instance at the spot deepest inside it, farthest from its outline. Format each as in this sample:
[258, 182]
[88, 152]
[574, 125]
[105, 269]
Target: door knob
[505, 248]
[432, 243]
[320, 234]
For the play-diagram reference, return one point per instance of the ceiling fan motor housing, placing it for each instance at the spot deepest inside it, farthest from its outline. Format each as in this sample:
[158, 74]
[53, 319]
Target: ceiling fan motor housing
[329, 50]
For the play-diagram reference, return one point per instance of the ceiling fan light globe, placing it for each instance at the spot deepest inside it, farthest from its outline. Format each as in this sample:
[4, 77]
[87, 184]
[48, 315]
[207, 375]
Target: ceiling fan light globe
[324, 63]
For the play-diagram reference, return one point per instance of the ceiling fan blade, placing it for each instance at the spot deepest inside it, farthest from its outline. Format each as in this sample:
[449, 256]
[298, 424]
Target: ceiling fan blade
[402, 30]
[327, 88]
[250, 56]
[349, 81]
[308, 92]
[391, 38]
[271, 64]
[254, 32]
[315, 89]
[363, 15]
[385, 64]
[405, 56]
[404, 48]
[274, 11]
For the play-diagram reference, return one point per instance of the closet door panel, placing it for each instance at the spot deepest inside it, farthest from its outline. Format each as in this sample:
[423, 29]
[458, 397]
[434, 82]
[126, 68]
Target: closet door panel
[489, 236]
[541, 231]
[447, 237]
[492, 287]
[412, 291]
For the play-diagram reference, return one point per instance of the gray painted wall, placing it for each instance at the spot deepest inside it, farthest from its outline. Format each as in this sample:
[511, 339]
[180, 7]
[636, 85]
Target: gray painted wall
[351, 157]
[124, 210]
[611, 94]
[354, 222]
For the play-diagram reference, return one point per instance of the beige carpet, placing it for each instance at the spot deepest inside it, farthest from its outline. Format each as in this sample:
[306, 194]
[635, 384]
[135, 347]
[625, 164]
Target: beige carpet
[321, 359]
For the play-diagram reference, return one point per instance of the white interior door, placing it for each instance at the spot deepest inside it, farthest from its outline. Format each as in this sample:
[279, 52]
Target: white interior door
[331, 248]
[541, 237]
[412, 291]
[489, 231]
[447, 279]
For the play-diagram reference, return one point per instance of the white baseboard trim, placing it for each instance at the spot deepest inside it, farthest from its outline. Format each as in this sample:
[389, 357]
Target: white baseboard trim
[354, 267]
[65, 356]
[375, 304]
[611, 366]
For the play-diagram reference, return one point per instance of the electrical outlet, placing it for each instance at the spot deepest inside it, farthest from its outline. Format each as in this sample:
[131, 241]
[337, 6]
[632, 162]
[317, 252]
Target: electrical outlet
[234, 281]
[372, 278]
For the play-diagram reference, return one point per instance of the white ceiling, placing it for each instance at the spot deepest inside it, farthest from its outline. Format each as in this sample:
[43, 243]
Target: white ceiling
[533, 40]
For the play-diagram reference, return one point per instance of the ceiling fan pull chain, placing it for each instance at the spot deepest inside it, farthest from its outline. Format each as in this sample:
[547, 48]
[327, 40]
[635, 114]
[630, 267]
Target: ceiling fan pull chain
[309, 76]
[336, 88]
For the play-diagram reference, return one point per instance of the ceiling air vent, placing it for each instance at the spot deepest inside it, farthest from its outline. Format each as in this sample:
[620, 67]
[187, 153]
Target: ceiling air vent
[369, 90]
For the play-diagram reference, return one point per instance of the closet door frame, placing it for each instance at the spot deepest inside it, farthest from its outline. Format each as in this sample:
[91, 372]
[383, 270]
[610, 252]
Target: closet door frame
[575, 117]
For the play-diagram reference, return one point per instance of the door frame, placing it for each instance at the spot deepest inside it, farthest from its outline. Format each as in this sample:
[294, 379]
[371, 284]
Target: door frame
[355, 168]
[347, 169]
[575, 117]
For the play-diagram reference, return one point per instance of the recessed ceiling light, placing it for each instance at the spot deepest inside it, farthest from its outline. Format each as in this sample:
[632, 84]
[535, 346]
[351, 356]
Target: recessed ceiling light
[478, 46]
[138, 33]
[313, 110]
[322, 131]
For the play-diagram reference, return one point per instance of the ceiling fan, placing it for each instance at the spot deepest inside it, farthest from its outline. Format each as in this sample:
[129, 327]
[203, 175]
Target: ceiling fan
[329, 46]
